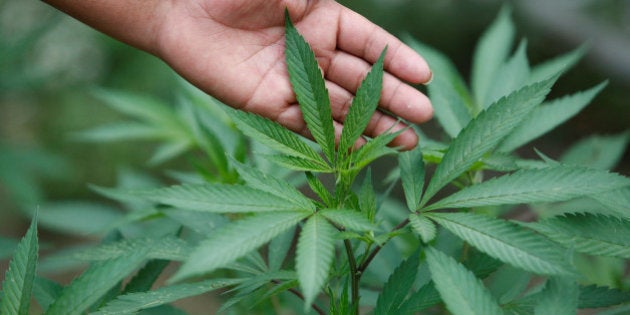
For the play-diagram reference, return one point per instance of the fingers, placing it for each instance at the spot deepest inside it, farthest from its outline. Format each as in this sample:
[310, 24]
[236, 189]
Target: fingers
[397, 97]
[360, 37]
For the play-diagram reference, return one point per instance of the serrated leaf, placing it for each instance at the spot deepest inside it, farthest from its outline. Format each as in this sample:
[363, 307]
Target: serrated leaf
[373, 149]
[17, 286]
[510, 76]
[168, 247]
[589, 233]
[593, 296]
[274, 136]
[235, 240]
[423, 227]
[548, 116]
[412, 176]
[278, 249]
[599, 152]
[218, 198]
[397, 286]
[273, 185]
[508, 283]
[46, 292]
[363, 106]
[318, 188]
[616, 201]
[144, 279]
[349, 219]
[560, 297]
[315, 252]
[297, 163]
[310, 89]
[507, 242]
[367, 196]
[484, 132]
[491, 51]
[424, 298]
[93, 283]
[554, 183]
[458, 287]
[204, 223]
[134, 302]
[558, 64]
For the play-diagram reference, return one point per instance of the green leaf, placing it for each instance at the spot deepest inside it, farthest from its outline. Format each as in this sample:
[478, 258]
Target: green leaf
[7, 247]
[548, 116]
[412, 176]
[219, 198]
[423, 227]
[448, 92]
[46, 292]
[616, 201]
[593, 296]
[310, 89]
[297, 163]
[315, 253]
[508, 283]
[484, 132]
[349, 219]
[458, 287]
[235, 240]
[558, 64]
[204, 223]
[491, 51]
[141, 107]
[274, 136]
[127, 131]
[95, 282]
[507, 242]
[374, 149]
[367, 196]
[279, 248]
[560, 297]
[273, 185]
[77, 217]
[134, 302]
[511, 76]
[18, 280]
[554, 183]
[146, 276]
[599, 152]
[318, 188]
[424, 298]
[397, 286]
[167, 247]
[589, 233]
[363, 106]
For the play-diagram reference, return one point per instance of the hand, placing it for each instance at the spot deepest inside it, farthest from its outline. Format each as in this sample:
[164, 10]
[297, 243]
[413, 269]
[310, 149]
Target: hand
[234, 50]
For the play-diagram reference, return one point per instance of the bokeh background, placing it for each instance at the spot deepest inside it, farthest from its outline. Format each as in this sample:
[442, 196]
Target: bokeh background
[50, 64]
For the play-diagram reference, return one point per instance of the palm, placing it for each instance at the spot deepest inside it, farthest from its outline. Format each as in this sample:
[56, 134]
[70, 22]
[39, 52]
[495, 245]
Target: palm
[234, 50]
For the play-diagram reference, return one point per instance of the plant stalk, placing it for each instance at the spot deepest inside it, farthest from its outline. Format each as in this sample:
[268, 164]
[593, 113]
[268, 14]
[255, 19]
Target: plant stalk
[355, 275]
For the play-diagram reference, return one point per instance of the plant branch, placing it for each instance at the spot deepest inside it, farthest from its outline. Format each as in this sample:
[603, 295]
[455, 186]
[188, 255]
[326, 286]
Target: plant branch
[301, 296]
[369, 259]
[355, 275]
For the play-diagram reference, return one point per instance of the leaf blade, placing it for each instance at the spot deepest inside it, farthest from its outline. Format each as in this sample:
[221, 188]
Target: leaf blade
[412, 176]
[507, 242]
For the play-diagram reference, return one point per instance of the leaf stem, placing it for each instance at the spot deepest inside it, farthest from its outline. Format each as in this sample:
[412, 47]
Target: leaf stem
[369, 259]
[355, 275]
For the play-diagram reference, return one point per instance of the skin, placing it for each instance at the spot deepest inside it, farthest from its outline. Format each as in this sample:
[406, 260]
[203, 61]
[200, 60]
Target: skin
[234, 50]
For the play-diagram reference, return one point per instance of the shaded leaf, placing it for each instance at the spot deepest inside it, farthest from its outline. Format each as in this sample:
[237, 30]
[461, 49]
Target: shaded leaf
[560, 297]
[279, 248]
[310, 90]
[458, 287]
[593, 296]
[599, 152]
[235, 240]
[297, 163]
[587, 233]
[131, 303]
[397, 286]
[315, 252]
[146, 276]
[168, 247]
[492, 49]
[46, 292]
[511, 76]
[558, 64]
[507, 242]
[424, 298]
[95, 282]
[617, 201]
[18, 280]
[554, 183]
[349, 219]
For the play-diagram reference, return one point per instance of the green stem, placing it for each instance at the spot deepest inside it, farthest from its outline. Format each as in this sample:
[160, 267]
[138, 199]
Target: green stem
[355, 275]
[369, 259]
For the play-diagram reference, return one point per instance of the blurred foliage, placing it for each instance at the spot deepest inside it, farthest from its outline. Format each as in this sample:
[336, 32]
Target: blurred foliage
[51, 64]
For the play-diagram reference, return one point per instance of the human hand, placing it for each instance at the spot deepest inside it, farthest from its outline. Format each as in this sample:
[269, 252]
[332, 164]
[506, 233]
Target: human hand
[234, 50]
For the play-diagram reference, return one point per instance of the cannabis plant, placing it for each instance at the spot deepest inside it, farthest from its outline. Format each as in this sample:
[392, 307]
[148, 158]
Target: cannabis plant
[276, 222]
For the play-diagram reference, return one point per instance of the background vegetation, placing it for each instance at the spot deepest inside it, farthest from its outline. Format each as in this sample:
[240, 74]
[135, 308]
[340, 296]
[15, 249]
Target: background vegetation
[50, 66]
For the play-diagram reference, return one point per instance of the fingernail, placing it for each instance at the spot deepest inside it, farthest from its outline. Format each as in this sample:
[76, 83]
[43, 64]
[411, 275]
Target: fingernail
[430, 79]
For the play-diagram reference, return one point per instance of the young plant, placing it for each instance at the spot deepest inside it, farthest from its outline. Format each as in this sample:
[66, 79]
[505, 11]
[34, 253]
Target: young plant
[454, 239]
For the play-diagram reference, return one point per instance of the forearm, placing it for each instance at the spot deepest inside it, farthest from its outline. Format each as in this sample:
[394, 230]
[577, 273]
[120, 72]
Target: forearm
[135, 22]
